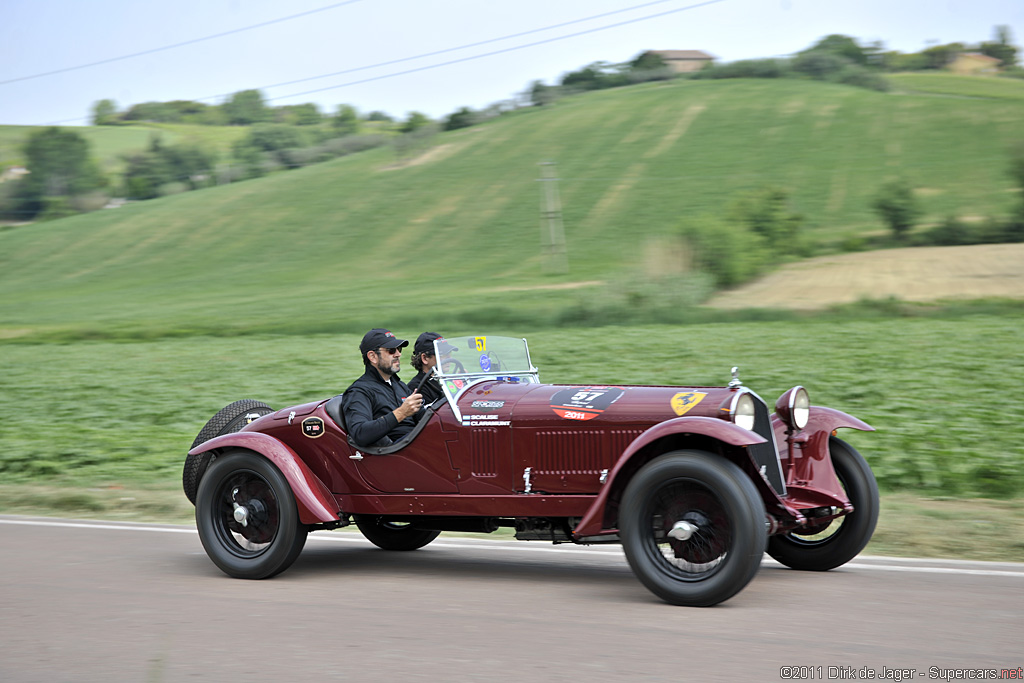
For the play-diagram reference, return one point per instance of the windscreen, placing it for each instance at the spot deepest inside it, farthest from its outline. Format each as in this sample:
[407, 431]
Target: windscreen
[462, 360]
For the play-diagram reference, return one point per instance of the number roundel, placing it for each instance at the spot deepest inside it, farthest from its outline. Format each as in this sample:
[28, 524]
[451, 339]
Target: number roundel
[584, 403]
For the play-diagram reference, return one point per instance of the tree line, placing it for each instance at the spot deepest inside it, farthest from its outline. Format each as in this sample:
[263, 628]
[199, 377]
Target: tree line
[64, 179]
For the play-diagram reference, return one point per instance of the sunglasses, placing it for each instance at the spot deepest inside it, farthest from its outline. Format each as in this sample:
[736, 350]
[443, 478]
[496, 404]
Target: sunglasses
[391, 352]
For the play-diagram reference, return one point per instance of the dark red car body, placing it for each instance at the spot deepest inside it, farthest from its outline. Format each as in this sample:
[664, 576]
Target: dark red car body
[555, 461]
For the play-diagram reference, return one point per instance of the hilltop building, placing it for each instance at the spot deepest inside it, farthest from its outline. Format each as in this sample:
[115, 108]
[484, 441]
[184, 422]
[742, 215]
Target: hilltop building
[974, 64]
[684, 61]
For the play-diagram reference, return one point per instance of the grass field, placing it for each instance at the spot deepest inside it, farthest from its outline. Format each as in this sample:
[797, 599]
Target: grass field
[123, 331]
[313, 249]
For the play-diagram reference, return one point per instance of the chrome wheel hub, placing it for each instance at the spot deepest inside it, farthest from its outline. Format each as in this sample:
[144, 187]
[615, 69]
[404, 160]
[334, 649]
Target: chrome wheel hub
[241, 514]
[682, 531]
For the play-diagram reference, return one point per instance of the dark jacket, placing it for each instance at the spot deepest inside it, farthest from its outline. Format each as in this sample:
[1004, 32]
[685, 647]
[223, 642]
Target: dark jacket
[368, 404]
[430, 389]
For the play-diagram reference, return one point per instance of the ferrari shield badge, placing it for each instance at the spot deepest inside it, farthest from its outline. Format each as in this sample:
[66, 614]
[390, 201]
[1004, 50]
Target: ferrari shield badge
[683, 401]
[313, 427]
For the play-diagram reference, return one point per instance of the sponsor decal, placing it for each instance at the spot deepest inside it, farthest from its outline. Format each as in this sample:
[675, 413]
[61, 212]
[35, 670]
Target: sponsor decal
[487, 405]
[484, 421]
[584, 403]
[313, 427]
[684, 400]
[454, 385]
[485, 363]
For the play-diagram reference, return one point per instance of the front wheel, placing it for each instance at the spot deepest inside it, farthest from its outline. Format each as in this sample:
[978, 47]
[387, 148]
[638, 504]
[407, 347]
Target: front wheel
[693, 528]
[246, 516]
[393, 535]
[836, 543]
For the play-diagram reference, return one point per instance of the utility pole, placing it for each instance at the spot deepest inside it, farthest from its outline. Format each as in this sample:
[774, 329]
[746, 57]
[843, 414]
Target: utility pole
[552, 233]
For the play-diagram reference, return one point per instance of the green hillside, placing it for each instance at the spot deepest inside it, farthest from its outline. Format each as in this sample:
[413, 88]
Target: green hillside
[456, 231]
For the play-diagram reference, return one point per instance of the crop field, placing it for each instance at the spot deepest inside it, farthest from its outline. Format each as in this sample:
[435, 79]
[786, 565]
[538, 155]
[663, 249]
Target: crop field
[101, 428]
[984, 271]
[103, 412]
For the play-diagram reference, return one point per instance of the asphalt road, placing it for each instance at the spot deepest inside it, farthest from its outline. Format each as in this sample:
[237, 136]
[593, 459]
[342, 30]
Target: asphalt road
[98, 601]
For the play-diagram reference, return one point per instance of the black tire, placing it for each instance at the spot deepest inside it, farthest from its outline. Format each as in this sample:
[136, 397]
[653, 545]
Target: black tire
[393, 535]
[269, 536]
[228, 420]
[727, 519]
[838, 542]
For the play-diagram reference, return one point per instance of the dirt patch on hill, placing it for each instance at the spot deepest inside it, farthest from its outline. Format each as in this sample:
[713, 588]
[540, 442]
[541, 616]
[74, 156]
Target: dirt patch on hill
[918, 274]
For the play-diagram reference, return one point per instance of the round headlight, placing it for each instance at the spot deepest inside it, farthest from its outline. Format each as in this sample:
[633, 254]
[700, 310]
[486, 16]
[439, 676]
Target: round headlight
[743, 411]
[794, 407]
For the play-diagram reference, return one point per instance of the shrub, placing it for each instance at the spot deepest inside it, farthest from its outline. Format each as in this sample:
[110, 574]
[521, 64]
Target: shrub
[728, 252]
[896, 205]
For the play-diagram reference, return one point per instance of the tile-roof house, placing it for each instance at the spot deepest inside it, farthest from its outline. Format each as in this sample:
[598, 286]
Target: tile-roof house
[973, 63]
[684, 61]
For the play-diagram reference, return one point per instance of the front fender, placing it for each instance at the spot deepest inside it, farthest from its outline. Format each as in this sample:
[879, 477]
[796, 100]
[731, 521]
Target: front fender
[726, 432]
[312, 498]
[830, 419]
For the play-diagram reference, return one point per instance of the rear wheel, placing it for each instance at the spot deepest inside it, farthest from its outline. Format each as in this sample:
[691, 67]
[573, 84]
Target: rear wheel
[247, 518]
[228, 420]
[692, 527]
[393, 535]
[832, 544]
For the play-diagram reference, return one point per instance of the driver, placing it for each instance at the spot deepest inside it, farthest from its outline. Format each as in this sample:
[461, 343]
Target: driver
[379, 408]
[424, 360]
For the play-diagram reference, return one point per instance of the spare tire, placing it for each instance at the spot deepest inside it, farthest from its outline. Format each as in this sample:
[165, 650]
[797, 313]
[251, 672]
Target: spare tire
[228, 420]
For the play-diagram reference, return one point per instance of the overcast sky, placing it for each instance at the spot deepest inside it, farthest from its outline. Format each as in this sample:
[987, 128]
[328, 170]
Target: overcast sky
[42, 36]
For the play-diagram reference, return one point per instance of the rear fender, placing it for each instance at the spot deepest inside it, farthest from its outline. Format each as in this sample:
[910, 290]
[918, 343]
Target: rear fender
[697, 429]
[315, 503]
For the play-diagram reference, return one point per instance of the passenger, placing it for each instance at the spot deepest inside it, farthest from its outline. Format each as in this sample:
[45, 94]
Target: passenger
[379, 408]
[424, 360]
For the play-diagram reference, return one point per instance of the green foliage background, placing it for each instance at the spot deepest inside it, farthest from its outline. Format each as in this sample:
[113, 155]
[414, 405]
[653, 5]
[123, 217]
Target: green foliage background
[123, 331]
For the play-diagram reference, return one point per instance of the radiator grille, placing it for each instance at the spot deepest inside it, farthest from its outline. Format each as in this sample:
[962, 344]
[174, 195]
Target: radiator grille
[766, 455]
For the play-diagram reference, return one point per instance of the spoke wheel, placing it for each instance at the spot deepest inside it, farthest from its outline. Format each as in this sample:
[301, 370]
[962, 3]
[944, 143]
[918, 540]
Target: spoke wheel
[692, 528]
[228, 420]
[246, 516]
[834, 543]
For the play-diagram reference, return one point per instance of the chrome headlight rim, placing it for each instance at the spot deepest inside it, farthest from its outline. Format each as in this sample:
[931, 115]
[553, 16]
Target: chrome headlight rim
[794, 407]
[742, 410]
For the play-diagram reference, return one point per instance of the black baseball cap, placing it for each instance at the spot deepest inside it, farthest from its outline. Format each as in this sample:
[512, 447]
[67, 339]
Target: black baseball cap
[378, 338]
[425, 343]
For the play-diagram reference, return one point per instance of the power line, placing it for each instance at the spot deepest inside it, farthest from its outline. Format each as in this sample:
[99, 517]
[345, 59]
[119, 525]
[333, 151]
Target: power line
[467, 58]
[181, 44]
[455, 49]
[498, 52]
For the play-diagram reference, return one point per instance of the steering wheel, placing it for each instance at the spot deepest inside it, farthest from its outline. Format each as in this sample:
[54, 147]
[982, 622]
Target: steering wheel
[452, 366]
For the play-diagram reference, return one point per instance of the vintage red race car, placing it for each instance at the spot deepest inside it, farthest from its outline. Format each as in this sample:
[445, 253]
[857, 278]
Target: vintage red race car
[694, 482]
